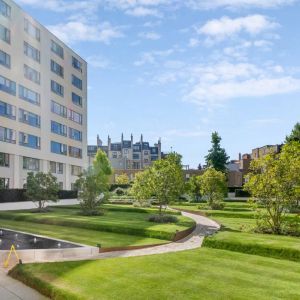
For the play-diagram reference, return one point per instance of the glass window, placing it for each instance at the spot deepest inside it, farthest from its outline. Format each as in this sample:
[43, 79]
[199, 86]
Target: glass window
[32, 30]
[53, 167]
[75, 117]
[4, 34]
[5, 9]
[77, 82]
[7, 135]
[4, 183]
[31, 164]
[58, 128]
[32, 74]
[57, 69]
[77, 100]
[7, 110]
[59, 109]
[60, 168]
[29, 140]
[58, 148]
[75, 152]
[75, 134]
[76, 171]
[29, 95]
[57, 88]
[136, 156]
[4, 159]
[7, 86]
[114, 155]
[4, 59]
[76, 64]
[29, 118]
[32, 52]
[57, 49]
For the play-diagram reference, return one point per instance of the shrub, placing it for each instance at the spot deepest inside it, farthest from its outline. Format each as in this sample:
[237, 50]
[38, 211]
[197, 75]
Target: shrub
[217, 205]
[120, 192]
[163, 219]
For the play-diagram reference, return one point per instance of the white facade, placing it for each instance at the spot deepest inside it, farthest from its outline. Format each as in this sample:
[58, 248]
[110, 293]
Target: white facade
[43, 102]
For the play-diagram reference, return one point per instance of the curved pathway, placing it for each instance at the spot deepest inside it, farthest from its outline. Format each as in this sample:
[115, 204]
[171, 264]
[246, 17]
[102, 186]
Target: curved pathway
[11, 289]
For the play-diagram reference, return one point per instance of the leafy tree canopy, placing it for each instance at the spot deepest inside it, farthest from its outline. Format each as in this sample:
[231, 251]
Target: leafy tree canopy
[295, 134]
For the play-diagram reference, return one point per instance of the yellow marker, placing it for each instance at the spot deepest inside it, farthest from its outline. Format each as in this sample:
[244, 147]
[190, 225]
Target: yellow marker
[12, 250]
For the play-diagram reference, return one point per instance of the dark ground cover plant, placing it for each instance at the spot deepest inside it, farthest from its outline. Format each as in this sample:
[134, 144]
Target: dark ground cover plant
[163, 219]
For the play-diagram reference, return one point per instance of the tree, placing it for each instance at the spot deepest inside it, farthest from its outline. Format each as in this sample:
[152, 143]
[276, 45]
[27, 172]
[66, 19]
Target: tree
[194, 188]
[163, 180]
[213, 187]
[141, 189]
[217, 157]
[42, 187]
[93, 184]
[122, 179]
[295, 134]
[274, 183]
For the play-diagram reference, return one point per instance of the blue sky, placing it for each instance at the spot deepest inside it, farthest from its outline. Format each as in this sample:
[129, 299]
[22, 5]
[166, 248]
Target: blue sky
[181, 69]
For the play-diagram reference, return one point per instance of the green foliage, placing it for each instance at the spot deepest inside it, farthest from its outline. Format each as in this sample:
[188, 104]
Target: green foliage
[217, 157]
[213, 187]
[193, 187]
[295, 134]
[163, 219]
[42, 187]
[93, 185]
[122, 179]
[274, 184]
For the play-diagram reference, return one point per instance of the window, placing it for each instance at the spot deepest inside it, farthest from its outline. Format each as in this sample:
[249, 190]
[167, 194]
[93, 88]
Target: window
[7, 110]
[57, 69]
[75, 152]
[4, 159]
[4, 59]
[58, 128]
[31, 164]
[57, 88]
[53, 167]
[7, 86]
[7, 135]
[4, 183]
[57, 49]
[154, 157]
[75, 134]
[60, 168]
[146, 152]
[4, 34]
[77, 82]
[76, 64]
[29, 118]
[5, 9]
[29, 95]
[76, 171]
[29, 140]
[32, 52]
[58, 148]
[136, 156]
[114, 155]
[32, 74]
[75, 117]
[32, 30]
[77, 100]
[59, 109]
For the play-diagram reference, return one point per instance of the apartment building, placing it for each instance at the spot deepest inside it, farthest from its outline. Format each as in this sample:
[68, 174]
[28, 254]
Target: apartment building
[127, 157]
[263, 151]
[43, 102]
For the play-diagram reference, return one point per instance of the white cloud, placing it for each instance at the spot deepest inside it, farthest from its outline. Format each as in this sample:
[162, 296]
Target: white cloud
[151, 57]
[150, 35]
[219, 29]
[73, 31]
[98, 61]
[236, 4]
[143, 12]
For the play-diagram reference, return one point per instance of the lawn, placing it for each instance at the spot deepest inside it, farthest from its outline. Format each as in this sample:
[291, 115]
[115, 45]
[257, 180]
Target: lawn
[237, 233]
[82, 236]
[129, 221]
[197, 274]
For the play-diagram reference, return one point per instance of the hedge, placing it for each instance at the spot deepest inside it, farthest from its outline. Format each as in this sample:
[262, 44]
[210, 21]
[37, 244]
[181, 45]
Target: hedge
[114, 186]
[242, 193]
[19, 195]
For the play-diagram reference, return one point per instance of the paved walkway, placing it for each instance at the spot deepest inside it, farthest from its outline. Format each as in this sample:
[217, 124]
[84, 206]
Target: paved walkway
[11, 289]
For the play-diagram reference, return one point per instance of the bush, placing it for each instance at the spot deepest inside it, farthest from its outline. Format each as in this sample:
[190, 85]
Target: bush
[163, 219]
[113, 187]
[242, 193]
[120, 191]
[217, 205]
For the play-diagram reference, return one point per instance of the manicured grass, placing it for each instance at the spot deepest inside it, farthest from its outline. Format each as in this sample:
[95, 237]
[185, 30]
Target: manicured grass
[197, 274]
[81, 236]
[237, 233]
[124, 222]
